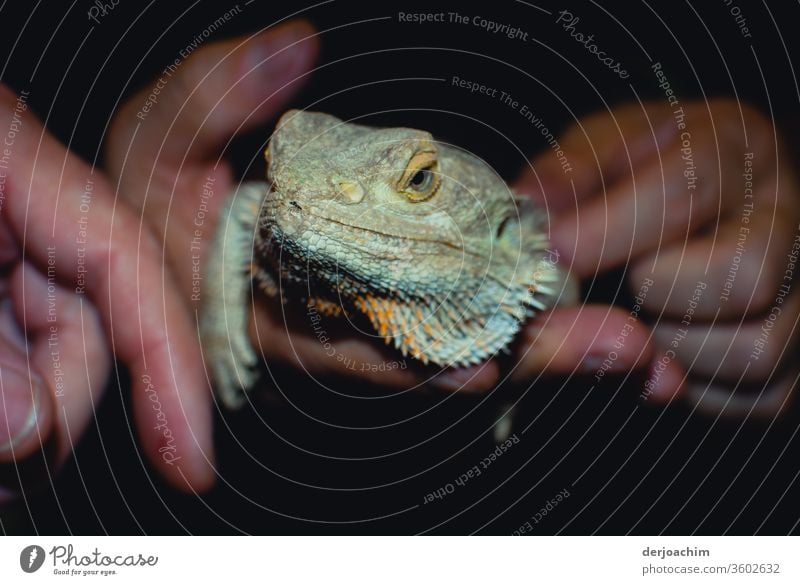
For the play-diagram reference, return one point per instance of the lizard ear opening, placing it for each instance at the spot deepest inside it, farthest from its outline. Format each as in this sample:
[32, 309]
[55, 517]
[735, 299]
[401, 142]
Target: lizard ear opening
[420, 180]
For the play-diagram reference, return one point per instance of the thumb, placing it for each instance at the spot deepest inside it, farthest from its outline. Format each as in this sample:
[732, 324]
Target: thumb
[194, 107]
[26, 408]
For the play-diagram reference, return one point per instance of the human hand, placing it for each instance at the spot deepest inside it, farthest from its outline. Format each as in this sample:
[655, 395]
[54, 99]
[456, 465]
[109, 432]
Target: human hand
[164, 161]
[71, 254]
[707, 215]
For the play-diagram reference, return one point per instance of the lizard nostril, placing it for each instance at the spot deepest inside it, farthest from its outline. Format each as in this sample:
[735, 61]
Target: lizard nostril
[351, 191]
[502, 228]
[296, 205]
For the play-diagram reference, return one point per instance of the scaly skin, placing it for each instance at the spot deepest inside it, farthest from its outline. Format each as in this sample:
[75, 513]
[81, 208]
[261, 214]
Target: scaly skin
[424, 239]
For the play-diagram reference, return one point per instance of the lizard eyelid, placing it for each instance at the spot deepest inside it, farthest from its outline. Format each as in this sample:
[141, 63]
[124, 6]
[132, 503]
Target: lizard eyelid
[420, 180]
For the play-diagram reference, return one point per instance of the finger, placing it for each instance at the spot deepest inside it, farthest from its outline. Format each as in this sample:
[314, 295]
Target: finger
[767, 400]
[743, 263]
[26, 413]
[640, 213]
[26, 409]
[54, 201]
[222, 88]
[167, 159]
[592, 339]
[666, 377]
[724, 351]
[67, 347]
[475, 379]
[595, 152]
[9, 249]
[335, 347]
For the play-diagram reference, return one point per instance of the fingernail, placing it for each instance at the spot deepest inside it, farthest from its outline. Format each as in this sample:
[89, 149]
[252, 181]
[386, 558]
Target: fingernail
[19, 405]
[478, 378]
[273, 54]
[451, 380]
[592, 363]
[600, 363]
[665, 379]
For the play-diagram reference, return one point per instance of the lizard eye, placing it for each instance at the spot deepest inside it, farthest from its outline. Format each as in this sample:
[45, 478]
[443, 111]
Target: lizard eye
[420, 179]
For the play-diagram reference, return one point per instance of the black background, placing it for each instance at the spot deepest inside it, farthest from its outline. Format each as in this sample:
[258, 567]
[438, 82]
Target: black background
[629, 467]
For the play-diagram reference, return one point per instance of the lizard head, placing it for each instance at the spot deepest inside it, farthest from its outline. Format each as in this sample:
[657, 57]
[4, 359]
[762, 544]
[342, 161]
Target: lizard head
[388, 193]
[320, 160]
[389, 215]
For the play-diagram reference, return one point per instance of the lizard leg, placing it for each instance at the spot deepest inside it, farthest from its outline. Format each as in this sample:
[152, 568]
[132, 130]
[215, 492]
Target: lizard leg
[224, 315]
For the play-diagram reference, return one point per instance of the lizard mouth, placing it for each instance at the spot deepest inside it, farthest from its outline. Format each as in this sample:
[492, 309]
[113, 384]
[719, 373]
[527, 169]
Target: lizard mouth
[409, 234]
[295, 218]
[310, 231]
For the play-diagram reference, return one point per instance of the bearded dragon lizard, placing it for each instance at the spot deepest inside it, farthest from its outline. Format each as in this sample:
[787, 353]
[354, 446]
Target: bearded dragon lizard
[423, 238]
